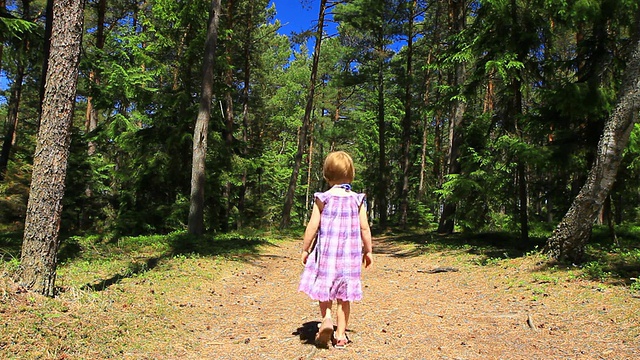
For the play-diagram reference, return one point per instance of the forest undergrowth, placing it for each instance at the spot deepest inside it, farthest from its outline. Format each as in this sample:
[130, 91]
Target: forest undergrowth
[234, 297]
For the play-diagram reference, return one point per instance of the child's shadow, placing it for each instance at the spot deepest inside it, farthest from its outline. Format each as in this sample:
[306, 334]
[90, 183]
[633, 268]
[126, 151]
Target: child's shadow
[307, 332]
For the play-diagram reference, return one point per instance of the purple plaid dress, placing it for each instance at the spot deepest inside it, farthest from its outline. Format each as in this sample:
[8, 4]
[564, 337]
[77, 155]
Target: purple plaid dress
[333, 267]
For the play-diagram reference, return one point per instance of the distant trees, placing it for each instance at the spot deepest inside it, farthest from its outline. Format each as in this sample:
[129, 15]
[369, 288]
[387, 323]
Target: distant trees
[19, 32]
[464, 115]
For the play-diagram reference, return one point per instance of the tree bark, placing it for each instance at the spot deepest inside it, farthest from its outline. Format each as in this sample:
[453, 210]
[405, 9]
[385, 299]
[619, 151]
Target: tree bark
[457, 22]
[309, 168]
[42, 225]
[91, 122]
[246, 125]
[91, 117]
[228, 79]
[228, 115]
[381, 198]
[516, 113]
[306, 121]
[3, 7]
[48, 28]
[425, 129]
[201, 131]
[570, 237]
[407, 123]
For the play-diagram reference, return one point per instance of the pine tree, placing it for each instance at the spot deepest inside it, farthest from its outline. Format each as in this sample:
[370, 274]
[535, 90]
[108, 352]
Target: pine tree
[42, 225]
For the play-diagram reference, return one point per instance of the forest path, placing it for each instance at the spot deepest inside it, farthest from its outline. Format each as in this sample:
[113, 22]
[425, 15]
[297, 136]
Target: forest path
[255, 312]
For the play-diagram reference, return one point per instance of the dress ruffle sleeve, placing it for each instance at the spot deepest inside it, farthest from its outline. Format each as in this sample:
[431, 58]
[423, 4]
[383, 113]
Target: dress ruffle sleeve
[322, 196]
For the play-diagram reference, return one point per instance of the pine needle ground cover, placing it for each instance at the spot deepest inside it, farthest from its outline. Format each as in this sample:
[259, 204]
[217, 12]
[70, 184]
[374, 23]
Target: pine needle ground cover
[235, 297]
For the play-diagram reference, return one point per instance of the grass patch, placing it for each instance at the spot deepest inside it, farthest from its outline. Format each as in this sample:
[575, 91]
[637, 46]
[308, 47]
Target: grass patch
[606, 261]
[132, 297]
[116, 294]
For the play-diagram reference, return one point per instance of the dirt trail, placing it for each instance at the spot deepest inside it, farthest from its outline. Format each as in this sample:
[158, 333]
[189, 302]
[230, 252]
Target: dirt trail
[407, 313]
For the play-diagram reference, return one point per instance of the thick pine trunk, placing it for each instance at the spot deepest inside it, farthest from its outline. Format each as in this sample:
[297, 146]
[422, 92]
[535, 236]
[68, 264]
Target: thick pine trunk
[572, 233]
[42, 225]
[201, 131]
[306, 121]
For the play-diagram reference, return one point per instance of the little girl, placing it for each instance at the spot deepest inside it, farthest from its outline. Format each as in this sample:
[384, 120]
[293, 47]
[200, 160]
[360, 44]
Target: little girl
[342, 236]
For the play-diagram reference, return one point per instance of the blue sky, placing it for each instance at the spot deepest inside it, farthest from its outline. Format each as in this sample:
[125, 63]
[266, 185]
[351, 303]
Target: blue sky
[296, 15]
[300, 15]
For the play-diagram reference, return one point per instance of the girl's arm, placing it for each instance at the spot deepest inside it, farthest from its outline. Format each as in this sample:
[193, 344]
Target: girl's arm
[365, 234]
[311, 230]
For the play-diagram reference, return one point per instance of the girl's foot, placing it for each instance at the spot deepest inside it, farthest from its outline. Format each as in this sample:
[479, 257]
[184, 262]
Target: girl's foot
[325, 332]
[341, 343]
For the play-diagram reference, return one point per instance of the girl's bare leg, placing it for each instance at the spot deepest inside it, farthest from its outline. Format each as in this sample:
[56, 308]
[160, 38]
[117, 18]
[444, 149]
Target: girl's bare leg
[325, 332]
[325, 309]
[344, 309]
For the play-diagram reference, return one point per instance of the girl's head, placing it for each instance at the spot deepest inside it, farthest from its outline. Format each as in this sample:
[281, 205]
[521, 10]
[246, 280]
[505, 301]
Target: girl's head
[338, 168]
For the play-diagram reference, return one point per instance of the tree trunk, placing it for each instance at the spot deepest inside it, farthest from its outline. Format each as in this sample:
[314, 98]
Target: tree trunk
[407, 123]
[228, 80]
[42, 225]
[381, 198]
[309, 168]
[91, 122]
[515, 114]
[245, 115]
[201, 131]
[3, 8]
[425, 130]
[570, 237]
[302, 136]
[48, 26]
[457, 24]
[91, 119]
[228, 115]
[180, 52]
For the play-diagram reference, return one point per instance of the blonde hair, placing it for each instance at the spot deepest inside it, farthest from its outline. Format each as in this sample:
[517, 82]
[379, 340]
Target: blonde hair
[338, 168]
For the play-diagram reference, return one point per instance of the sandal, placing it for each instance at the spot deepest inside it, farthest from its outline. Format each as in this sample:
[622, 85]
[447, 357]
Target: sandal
[341, 343]
[325, 332]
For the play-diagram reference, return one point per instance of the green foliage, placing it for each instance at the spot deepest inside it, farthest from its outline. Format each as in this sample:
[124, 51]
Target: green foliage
[561, 61]
[14, 192]
[595, 271]
[16, 28]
